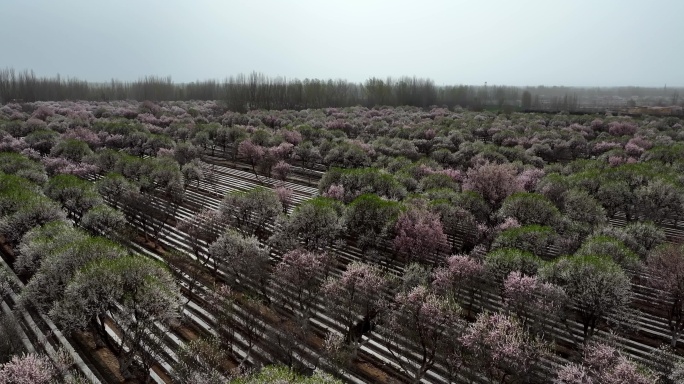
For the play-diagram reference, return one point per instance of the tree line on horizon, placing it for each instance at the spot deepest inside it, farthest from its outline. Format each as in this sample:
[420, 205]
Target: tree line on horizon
[258, 91]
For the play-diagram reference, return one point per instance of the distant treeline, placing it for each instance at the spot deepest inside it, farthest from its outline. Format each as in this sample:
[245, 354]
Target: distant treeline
[257, 91]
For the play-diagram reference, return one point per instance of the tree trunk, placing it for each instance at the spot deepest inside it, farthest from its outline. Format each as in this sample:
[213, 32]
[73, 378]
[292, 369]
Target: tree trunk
[675, 321]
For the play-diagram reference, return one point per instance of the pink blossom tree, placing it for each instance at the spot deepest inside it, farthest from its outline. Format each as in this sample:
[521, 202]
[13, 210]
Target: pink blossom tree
[424, 320]
[532, 301]
[83, 134]
[338, 351]
[501, 262]
[282, 151]
[494, 182]
[59, 165]
[621, 128]
[8, 143]
[529, 178]
[252, 153]
[420, 235]
[606, 365]
[335, 191]
[33, 124]
[43, 112]
[281, 170]
[461, 279]
[358, 294]
[498, 346]
[27, 369]
[292, 137]
[284, 195]
[301, 272]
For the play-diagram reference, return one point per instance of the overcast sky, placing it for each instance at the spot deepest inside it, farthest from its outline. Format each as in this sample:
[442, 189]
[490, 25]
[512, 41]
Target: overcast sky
[511, 42]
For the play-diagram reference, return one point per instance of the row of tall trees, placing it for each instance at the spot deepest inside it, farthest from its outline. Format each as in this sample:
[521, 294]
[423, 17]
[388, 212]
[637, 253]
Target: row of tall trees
[253, 91]
[258, 91]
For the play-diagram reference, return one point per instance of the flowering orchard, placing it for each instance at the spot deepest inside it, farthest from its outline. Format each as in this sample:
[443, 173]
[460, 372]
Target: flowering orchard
[185, 241]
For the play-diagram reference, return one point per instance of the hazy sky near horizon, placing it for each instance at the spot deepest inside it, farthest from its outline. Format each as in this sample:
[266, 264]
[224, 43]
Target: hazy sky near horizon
[506, 42]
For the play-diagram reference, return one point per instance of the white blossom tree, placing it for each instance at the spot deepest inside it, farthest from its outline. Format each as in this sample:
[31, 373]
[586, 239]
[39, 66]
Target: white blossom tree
[317, 223]
[665, 266]
[461, 278]
[244, 257]
[137, 292]
[251, 211]
[59, 267]
[42, 241]
[598, 289]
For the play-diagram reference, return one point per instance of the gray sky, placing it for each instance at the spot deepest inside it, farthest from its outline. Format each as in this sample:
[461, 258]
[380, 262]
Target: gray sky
[512, 42]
